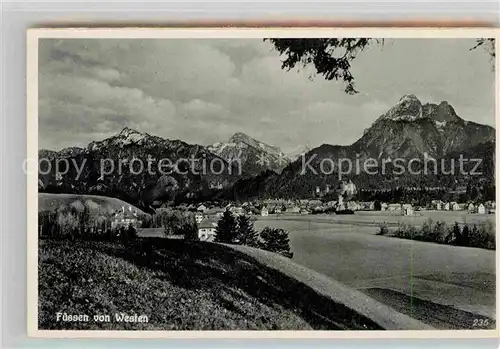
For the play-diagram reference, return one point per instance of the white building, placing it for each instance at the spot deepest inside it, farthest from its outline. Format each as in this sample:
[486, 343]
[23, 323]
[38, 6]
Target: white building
[393, 207]
[206, 230]
[264, 212]
[198, 217]
[407, 210]
[202, 208]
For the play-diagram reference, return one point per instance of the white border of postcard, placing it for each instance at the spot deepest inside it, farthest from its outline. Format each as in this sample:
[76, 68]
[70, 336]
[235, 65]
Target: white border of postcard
[198, 33]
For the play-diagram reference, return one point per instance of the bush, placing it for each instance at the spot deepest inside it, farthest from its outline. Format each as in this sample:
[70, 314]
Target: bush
[454, 236]
[276, 240]
[482, 235]
[439, 232]
[127, 234]
[189, 230]
[427, 231]
[383, 229]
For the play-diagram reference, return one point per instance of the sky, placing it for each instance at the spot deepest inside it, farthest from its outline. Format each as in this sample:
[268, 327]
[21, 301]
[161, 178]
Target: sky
[203, 91]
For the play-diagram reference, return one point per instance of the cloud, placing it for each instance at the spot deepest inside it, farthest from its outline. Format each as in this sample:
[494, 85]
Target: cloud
[203, 91]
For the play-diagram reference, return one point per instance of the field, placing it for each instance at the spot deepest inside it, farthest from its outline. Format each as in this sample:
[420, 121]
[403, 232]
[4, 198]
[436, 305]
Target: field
[375, 218]
[104, 204]
[444, 286]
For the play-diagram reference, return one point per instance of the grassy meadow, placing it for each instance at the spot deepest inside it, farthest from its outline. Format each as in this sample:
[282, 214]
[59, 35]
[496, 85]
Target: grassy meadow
[178, 285]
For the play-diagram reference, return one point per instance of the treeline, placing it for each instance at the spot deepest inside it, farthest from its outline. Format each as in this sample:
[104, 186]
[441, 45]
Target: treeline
[480, 235]
[423, 196]
[173, 222]
[81, 225]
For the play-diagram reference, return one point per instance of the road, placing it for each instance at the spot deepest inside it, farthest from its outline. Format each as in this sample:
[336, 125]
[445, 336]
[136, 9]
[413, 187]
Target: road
[444, 286]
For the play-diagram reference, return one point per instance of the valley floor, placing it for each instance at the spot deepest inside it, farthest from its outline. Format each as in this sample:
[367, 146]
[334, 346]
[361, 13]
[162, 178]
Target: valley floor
[444, 286]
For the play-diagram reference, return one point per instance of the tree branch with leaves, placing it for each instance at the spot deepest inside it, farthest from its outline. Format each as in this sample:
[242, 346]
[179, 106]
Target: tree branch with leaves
[332, 58]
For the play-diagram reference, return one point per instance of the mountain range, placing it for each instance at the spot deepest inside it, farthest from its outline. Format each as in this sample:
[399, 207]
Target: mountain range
[408, 130]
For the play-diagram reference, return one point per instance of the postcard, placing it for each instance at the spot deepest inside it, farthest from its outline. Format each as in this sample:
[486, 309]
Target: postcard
[262, 182]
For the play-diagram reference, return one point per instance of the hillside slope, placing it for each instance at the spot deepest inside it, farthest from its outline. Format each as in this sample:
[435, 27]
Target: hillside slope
[52, 202]
[183, 285]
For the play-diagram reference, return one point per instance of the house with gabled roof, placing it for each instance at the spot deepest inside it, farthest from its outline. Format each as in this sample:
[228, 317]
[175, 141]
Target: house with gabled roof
[206, 230]
[125, 218]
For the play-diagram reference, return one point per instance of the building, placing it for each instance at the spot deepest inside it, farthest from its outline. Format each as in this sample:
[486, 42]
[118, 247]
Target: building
[125, 218]
[216, 211]
[341, 206]
[202, 208]
[393, 207]
[293, 209]
[353, 206]
[264, 212]
[454, 206]
[206, 230]
[237, 211]
[198, 217]
[313, 203]
[383, 206]
[446, 206]
[407, 210]
[471, 208]
[347, 188]
[481, 209]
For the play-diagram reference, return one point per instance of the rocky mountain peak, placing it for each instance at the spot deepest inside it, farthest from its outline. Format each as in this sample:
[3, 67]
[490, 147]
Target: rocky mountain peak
[444, 112]
[128, 131]
[409, 98]
[256, 155]
[239, 137]
[408, 108]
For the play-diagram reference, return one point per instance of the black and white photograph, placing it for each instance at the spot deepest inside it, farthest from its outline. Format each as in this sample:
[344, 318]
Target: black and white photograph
[297, 181]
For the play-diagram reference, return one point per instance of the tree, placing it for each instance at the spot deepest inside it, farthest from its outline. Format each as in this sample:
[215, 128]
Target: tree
[465, 236]
[455, 237]
[227, 228]
[276, 240]
[247, 235]
[377, 206]
[127, 234]
[489, 46]
[332, 57]
[190, 232]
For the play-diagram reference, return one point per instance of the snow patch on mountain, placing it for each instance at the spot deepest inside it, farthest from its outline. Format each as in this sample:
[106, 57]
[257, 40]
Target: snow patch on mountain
[250, 151]
[440, 125]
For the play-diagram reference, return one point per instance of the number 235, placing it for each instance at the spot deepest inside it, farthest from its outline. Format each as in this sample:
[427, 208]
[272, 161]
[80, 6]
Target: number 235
[481, 322]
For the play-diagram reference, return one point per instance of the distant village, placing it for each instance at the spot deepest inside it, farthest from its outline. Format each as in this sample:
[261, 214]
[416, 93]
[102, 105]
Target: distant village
[207, 214]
